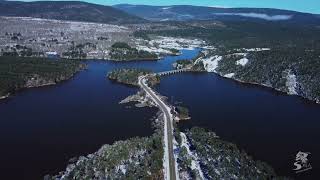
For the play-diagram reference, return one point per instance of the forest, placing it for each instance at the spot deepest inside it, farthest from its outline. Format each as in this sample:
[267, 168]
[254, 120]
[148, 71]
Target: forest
[19, 72]
[123, 52]
[130, 76]
[293, 47]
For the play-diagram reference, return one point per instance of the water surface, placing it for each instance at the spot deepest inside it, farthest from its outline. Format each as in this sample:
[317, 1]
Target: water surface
[269, 125]
[42, 128]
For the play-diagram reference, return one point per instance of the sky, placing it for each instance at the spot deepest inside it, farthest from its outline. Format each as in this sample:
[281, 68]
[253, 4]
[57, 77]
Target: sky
[311, 6]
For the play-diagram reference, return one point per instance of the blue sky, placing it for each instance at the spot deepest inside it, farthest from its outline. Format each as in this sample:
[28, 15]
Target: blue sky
[312, 6]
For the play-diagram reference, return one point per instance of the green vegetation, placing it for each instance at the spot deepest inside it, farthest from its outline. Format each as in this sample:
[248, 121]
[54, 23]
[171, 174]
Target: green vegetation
[270, 67]
[184, 62]
[76, 11]
[130, 76]
[221, 159]
[127, 76]
[121, 45]
[248, 34]
[174, 51]
[191, 64]
[294, 47]
[77, 51]
[18, 72]
[183, 112]
[137, 158]
[123, 52]
[19, 50]
[142, 35]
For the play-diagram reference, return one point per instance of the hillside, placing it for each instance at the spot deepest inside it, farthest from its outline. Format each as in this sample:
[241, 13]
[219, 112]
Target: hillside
[67, 10]
[281, 56]
[184, 12]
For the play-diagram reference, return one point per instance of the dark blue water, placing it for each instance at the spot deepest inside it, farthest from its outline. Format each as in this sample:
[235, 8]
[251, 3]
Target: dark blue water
[42, 128]
[268, 125]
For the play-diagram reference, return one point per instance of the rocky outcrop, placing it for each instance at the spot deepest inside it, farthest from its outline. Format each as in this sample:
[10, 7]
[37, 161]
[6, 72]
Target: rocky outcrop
[141, 98]
[136, 157]
[203, 155]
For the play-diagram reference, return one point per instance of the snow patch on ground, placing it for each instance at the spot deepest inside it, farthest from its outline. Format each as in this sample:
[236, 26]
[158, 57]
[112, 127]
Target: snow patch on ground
[209, 47]
[175, 146]
[240, 54]
[122, 168]
[242, 61]
[153, 49]
[211, 63]
[166, 152]
[5, 96]
[176, 43]
[257, 49]
[252, 50]
[166, 19]
[291, 83]
[164, 45]
[230, 75]
[195, 163]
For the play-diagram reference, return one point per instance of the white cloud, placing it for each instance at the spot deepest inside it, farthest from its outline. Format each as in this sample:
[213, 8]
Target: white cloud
[258, 15]
[166, 8]
[217, 6]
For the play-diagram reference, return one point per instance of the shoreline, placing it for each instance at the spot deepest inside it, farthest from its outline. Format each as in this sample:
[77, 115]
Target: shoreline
[315, 101]
[47, 84]
[5, 96]
[309, 99]
[133, 59]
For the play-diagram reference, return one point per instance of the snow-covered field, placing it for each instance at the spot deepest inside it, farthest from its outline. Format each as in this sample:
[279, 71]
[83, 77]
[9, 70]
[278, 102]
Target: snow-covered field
[153, 49]
[211, 63]
[242, 61]
[176, 43]
[164, 45]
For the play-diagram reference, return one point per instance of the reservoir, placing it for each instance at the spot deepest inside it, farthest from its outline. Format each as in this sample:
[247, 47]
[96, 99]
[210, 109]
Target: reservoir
[42, 128]
[270, 126]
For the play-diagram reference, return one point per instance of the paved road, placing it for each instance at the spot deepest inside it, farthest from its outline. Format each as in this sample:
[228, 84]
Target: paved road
[167, 118]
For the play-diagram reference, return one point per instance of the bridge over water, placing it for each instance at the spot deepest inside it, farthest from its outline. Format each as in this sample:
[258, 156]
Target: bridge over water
[165, 73]
[171, 171]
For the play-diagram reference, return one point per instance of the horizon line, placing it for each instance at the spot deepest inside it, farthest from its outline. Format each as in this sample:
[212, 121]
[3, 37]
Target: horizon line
[210, 6]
